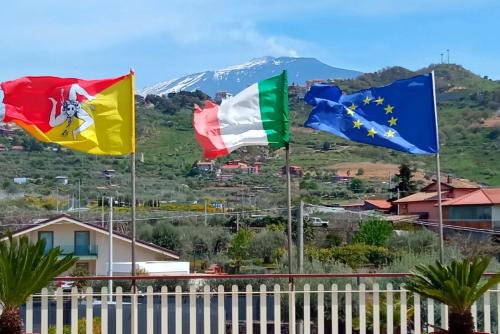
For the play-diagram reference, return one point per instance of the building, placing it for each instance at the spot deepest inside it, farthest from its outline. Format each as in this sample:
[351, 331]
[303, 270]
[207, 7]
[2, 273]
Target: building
[61, 180]
[221, 96]
[109, 173]
[477, 209]
[240, 165]
[341, 177]
[424, 202]
[20, 180]
[381, 205]
[294, 171]
[205, 166]
[309, 83]
[17, 148]
[90, 243]
[2, 148]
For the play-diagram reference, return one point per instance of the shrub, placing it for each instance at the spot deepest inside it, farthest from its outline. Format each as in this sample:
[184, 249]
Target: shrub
[375, 232]
[266, 245]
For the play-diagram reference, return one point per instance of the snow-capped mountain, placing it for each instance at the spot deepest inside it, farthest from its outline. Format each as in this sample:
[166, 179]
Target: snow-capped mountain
[233, 79]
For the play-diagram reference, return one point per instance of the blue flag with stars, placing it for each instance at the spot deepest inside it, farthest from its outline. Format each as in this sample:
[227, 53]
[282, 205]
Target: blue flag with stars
[400, 116]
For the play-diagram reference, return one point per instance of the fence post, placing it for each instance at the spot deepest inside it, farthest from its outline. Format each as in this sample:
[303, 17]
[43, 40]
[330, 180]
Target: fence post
[263, 309]
[59, 311]
[430, 314]
[206, 309]
[277, 309]
[249, 305]
[473, 310]
[89, 311]
[149, 310]
[119, 310]
[29, 315]
[234, 309]
[307, 309]
[321, 308]
[221, 311]
[403, 311]
[45, 312]
[335, 309]
[178, 310]
[390, 321]
[487, 312]
[164, 310]
[376, 309]
[444, 316]
[192, 309]
[362, 309]
[104, 310]
[348, 309]
[416, 313]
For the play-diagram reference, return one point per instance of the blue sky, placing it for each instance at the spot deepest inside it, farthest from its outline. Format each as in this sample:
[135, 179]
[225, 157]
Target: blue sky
[166, 39]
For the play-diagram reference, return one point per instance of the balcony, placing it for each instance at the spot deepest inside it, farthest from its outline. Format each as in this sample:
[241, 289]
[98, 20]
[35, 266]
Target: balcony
[80, 251]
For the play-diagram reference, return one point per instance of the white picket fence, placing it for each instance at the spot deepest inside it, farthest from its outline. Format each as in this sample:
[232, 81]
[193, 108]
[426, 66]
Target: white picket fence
[366, 309]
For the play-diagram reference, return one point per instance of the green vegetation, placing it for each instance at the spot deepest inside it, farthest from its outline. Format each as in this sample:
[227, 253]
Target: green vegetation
[457, 285]
[25, 268]
[375, 232]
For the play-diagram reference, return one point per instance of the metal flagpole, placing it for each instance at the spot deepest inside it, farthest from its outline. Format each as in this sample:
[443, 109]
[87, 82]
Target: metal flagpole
[133, 204]
[289, 206]
[291, 313]
[438, 178]
[110, 242]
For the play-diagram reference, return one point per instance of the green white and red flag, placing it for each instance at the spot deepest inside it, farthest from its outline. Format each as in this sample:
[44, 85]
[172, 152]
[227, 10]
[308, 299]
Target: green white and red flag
[256, 116]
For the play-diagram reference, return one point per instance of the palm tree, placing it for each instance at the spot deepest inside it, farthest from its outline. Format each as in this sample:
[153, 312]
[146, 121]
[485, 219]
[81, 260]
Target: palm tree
[457, 285]
[25, 268]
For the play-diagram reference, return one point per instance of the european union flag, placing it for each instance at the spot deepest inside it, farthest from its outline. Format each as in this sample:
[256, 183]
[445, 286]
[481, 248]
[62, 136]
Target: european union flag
[400, 116]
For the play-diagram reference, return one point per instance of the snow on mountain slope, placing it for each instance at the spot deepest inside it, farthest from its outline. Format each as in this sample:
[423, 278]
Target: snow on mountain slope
[235, 78]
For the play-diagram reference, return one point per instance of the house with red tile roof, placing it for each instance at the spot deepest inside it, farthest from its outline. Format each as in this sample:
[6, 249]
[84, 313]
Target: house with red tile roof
[381, 205]
[478, 209]
[424, 202]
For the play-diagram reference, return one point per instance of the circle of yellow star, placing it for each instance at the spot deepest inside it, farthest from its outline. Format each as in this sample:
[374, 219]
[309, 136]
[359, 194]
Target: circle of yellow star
[357, 124]
[392, 121]
[388, 109]
[390, 134]
[379, 101]
[350, 112]
[367, 100]
[372, 133]
[353, 107]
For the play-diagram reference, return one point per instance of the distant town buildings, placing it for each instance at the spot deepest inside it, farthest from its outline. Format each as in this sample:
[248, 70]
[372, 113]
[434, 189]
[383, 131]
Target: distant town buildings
[61, 180]
[205, 166]
[221, 96]
[294, 171]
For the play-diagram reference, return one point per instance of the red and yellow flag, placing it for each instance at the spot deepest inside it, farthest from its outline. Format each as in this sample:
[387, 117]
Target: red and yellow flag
[92, 116]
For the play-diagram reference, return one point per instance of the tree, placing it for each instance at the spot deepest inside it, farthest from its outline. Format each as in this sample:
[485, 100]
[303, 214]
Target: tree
[239, 247]
[26, 268]
[166, 236]
[457, 285]
[356, 185]
[375, 232]
[406, 185]
[267, 245]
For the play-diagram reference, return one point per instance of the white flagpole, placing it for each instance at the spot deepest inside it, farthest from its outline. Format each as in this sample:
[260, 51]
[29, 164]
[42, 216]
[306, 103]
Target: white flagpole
[438, 178]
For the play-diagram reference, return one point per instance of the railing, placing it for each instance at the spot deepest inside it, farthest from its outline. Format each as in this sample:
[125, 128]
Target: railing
[198, 305]
[90, 250]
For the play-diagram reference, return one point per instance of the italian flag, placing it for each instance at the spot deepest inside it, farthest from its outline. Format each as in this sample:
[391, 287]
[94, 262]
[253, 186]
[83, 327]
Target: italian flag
[256, 116]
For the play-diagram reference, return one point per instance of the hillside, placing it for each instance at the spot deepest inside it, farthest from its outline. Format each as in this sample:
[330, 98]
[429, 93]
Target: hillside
[470, 149]
[235, 78]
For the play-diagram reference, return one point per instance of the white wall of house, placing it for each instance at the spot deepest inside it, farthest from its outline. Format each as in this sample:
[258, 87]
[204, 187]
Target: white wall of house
[495, 216]
[64, 235]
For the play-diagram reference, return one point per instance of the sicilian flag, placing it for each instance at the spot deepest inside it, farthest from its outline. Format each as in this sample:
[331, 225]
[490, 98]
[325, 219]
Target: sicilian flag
[92, 116]
[256, 116]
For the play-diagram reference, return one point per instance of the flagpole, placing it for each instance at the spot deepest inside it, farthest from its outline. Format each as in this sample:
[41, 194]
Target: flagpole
[289, 205]
[438, 178]
[133, 204]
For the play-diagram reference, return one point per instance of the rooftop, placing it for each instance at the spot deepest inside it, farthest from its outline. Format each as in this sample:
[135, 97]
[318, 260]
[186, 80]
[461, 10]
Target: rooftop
[483, 196]
[420, 196]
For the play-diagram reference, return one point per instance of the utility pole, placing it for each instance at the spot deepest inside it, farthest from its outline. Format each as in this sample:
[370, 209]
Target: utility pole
[102, 211]
[110, 241]
[442, 58]
[57, 198]
[301, 237]
[205, 212]
[448, 54]
[79, 196]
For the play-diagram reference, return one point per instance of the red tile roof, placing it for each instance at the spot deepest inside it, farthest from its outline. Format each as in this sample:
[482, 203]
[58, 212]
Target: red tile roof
[420, 197]
[484, 196]
[380, 203]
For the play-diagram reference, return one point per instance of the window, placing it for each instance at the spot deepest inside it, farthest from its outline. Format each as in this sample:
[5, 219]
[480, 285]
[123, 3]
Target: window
[471, 212]
[48, 236]
[82, 243]
[82, 267]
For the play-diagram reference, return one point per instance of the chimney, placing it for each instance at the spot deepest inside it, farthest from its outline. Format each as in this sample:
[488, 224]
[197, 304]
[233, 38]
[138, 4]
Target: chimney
[449, 179]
